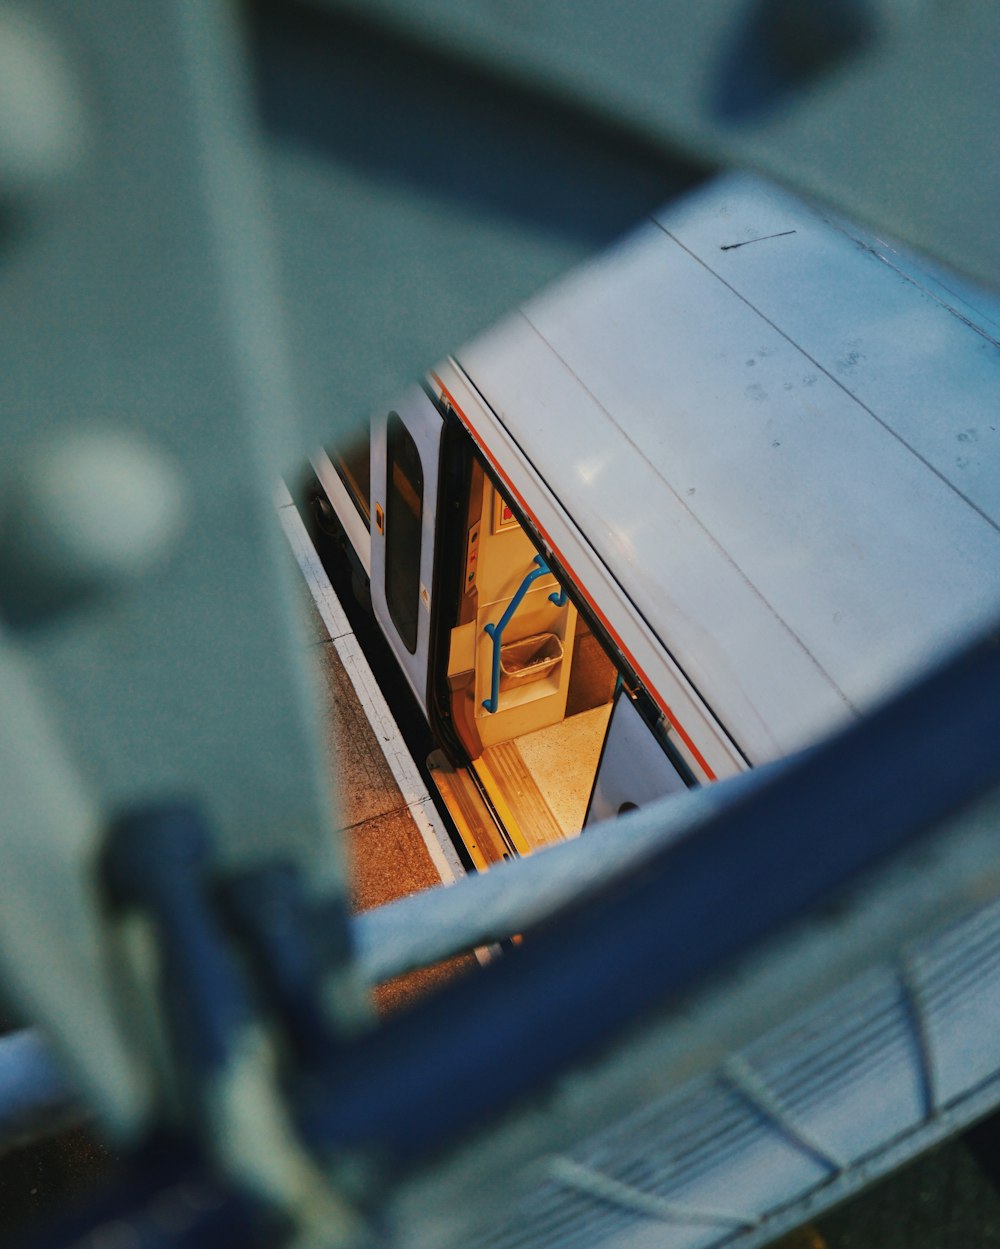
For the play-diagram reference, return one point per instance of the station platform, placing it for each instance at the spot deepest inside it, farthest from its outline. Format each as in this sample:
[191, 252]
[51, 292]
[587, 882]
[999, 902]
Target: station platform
[395, 838]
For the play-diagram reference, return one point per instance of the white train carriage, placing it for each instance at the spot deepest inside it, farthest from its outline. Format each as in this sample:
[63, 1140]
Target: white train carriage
[688, 511]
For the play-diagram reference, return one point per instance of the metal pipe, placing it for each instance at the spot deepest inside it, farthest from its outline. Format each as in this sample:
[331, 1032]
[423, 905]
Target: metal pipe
[516, 895]
[36, 1099]
[495, 631]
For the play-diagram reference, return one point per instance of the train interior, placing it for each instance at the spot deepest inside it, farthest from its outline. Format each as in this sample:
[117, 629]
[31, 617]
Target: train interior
[531, 688]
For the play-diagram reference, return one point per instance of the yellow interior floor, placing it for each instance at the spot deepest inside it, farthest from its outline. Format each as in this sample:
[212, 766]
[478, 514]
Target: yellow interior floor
[562, 760]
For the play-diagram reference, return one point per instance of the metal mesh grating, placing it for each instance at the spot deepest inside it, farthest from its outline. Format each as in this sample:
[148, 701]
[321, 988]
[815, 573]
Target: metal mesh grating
[708, 1164]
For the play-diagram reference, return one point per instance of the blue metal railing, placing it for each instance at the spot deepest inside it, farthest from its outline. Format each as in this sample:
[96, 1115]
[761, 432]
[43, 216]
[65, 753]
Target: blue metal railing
[495, 631]
[412, 1087]
[414, 1084]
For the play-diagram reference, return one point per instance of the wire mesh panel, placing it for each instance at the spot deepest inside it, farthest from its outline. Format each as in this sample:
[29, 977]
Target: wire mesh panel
[819, 1106]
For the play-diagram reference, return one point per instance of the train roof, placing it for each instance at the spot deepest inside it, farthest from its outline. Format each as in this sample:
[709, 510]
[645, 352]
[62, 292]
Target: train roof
[781, 436]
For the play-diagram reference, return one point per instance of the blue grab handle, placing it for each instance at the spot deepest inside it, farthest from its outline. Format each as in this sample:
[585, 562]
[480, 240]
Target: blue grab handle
[495, 631]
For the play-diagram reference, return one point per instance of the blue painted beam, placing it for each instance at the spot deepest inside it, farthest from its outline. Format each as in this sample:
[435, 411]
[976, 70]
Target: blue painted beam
[417, 1085]
[36, 1099]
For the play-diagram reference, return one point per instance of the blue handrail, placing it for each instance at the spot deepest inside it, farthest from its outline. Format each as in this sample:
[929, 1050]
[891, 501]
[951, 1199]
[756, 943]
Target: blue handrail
[495, 631]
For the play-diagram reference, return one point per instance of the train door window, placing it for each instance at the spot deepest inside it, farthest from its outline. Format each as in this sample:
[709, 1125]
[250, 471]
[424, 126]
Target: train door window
[635, 769]
[404, 511]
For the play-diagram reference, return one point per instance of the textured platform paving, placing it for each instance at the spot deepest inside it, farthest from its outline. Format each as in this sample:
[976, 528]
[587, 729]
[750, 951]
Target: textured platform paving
[389, 857]
[395, 839]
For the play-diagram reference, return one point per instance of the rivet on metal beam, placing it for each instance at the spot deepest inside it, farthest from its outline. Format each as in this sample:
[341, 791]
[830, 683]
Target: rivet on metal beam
[42, 130]
[85, 515]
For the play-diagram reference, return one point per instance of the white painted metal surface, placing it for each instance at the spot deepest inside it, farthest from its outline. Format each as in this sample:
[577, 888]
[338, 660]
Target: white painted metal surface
[779, 438]
[705, 744]
[423, 423]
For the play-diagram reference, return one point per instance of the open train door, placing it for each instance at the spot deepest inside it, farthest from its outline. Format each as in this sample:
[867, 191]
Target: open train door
[406, 449]
[635, 768]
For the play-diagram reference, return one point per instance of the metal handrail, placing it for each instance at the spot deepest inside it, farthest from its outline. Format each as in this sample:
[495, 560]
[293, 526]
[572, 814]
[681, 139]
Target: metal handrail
[495, 631]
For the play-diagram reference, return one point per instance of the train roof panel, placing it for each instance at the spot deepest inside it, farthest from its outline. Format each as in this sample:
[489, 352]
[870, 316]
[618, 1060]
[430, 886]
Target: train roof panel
[781, 436]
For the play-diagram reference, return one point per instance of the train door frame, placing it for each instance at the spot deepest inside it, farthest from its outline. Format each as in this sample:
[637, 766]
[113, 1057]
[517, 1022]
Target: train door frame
[449, 456]
[421, 421]
[459, 453]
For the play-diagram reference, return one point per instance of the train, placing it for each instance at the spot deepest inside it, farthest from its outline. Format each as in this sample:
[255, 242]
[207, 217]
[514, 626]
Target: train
[698, 505]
